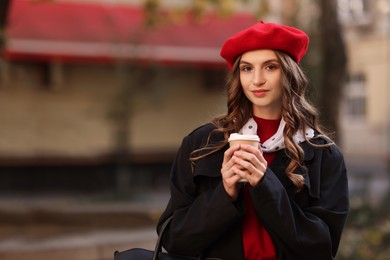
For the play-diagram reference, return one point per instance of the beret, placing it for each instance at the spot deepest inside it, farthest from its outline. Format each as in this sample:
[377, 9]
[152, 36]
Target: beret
[266, 36]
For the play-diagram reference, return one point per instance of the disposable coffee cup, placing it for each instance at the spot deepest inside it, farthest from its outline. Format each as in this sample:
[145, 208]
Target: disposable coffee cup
[235, 139]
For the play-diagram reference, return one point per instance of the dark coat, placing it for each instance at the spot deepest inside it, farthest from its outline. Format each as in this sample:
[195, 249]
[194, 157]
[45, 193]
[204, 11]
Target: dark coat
[303, 225]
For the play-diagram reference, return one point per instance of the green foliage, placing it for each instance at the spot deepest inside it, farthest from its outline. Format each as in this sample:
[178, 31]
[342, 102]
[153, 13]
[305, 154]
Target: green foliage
[152, 8]
[197, 8]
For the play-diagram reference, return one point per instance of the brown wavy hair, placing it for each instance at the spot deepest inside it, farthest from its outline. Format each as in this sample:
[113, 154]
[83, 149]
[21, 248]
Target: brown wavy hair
[297, 112]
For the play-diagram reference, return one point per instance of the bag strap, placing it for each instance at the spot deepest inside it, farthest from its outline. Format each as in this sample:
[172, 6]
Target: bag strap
[159, 240]
[158, 247]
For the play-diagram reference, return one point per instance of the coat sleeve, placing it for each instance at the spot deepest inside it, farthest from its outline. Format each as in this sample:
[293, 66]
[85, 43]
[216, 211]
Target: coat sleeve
[310, 227]
[199, 218]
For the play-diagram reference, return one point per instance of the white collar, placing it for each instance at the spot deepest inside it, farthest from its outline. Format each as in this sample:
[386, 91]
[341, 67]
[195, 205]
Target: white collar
[275, 142]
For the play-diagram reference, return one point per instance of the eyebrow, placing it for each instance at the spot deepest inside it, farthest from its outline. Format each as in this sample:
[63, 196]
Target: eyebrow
[266, 61]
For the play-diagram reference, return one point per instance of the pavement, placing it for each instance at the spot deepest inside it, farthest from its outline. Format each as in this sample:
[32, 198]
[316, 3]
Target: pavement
[77, 227]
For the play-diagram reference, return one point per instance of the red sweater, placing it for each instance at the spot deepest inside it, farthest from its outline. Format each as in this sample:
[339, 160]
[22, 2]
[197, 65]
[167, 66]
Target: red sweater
[257, 242]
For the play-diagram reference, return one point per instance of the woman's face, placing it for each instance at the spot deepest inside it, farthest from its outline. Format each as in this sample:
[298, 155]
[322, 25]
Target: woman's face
[260, 77]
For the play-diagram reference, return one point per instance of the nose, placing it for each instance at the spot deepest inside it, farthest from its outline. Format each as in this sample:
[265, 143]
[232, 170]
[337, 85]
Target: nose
[258, 78]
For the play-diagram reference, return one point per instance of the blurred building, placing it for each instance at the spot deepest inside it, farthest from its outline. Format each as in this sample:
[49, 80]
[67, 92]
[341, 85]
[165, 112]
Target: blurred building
[365, 120]
[85, 85]
[366, 107]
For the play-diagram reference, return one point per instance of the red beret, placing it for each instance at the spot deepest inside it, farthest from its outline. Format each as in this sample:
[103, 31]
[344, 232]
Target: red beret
[266, 36]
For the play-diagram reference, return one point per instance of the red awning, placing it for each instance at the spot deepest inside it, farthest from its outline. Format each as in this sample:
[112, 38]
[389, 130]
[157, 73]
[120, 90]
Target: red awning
[83, 31]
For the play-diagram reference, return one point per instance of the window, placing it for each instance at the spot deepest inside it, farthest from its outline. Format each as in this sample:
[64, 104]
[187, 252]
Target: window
[355, 93]
[354, 11]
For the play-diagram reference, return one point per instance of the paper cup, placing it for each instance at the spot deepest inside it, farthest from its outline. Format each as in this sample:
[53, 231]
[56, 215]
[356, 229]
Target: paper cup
[235, 139]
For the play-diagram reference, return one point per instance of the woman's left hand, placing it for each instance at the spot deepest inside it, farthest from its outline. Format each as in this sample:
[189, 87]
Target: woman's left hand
[252, 163]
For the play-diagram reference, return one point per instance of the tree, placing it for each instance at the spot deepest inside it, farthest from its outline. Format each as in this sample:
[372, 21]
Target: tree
[4, 4]
[334, 62]
[4, 75]
[326, 59]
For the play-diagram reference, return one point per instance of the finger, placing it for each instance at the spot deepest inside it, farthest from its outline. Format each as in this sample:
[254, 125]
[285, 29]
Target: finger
[231, 181]
[253, 172]
[227, 162]
[253, 177]
[227, 172]
[237, 176]
[229, 153]
[262, 159]
[248, 157]
[249, 148]
[241, 174]
[251, 154]
[247, 161]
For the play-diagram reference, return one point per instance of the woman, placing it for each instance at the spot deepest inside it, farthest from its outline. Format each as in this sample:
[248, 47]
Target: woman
[295, 202]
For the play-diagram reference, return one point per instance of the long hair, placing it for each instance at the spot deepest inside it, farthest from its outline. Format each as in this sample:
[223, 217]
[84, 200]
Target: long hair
[297, 112]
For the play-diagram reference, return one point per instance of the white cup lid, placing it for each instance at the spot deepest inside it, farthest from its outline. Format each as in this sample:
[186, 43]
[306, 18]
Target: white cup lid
[235, 136]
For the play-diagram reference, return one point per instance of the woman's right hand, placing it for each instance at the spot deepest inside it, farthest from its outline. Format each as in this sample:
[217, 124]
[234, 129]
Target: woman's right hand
[229, 177]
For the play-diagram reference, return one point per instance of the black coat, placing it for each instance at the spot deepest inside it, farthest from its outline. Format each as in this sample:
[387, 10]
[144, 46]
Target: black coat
[303, 225]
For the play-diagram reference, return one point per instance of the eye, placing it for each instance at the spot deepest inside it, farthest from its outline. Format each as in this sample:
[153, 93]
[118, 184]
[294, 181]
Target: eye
[245, 68]
[271, 66]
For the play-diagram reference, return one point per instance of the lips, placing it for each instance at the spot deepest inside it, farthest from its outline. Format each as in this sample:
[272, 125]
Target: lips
[260, 92]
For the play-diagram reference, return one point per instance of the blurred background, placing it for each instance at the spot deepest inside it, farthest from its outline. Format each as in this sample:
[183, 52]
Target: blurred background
[96, 96]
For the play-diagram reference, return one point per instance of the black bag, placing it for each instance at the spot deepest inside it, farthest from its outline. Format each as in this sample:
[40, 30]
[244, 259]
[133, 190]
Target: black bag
[157, 254]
